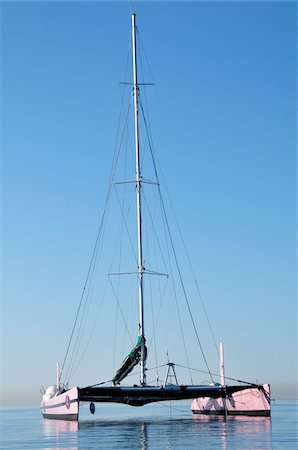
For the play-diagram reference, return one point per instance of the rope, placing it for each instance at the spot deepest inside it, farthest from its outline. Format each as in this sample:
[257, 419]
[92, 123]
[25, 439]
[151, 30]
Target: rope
[120, 309]
[165, 264]
[73, 370]
[192, 270]
[178, 310]
[97, 241]
[126, 226]
[174, 251]
[218, 376]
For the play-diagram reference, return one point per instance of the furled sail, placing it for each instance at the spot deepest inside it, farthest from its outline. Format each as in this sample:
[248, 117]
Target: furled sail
[130, 361]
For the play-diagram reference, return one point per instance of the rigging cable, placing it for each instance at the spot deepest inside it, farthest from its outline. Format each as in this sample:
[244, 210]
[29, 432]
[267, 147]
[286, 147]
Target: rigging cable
[183, 367]
[98, 237]
[174, 290]
[217, 375]
[177, 223]
[174, 253]
[192, 270]
[73, 370]
[148, 128]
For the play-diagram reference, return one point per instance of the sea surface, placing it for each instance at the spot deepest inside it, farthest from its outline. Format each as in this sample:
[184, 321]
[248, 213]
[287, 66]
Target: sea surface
[161, 426]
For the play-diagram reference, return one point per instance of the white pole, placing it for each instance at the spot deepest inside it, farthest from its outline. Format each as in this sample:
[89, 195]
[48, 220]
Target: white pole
[139, 202]
[222, 377]
[222, 364]
[58, 376]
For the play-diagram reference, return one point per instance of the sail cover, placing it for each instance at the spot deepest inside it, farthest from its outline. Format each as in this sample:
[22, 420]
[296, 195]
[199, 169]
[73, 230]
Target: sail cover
[130, 361]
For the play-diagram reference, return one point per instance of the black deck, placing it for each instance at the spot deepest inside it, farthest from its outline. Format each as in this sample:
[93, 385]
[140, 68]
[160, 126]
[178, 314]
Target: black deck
[139, 396]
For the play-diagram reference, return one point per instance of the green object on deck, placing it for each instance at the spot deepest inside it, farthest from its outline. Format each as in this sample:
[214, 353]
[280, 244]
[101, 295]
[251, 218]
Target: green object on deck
[130, 361]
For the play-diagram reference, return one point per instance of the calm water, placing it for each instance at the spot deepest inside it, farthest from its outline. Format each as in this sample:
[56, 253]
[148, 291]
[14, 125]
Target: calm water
[150, 427]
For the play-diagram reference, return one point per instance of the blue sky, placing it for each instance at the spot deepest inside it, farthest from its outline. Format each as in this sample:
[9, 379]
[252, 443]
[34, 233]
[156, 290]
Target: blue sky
[223, 116]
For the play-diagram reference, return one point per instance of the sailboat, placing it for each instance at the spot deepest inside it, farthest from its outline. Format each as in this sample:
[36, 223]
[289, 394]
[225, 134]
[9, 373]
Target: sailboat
[61, 402]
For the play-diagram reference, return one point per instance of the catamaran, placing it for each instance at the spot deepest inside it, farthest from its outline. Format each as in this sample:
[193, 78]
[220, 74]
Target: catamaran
[59, 401]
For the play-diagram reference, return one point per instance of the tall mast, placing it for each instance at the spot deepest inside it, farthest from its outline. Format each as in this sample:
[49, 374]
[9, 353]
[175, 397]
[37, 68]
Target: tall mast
[139, 203]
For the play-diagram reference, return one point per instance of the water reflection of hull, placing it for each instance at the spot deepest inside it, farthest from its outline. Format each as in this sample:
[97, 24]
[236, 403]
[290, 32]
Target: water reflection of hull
[56, 427]
[248, 402]
[159, 430]
[58, 432]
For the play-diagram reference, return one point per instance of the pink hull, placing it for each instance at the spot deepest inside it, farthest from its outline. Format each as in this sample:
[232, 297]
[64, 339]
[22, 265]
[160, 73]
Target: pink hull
[249, 402]
[63, 406]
